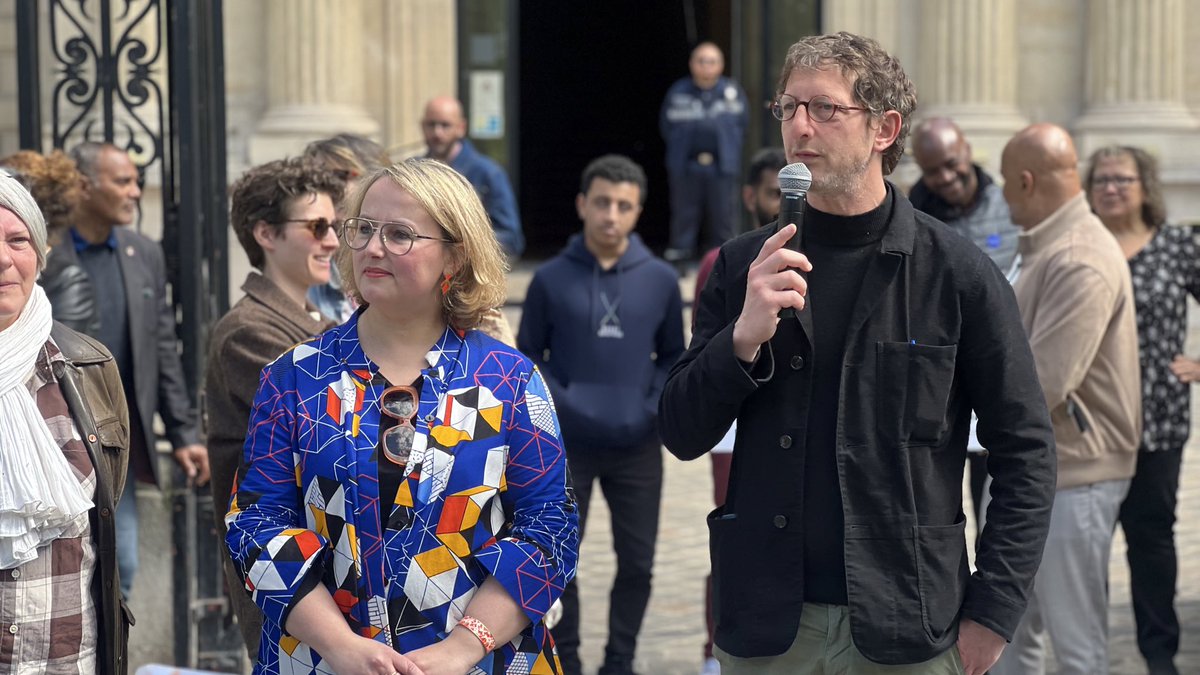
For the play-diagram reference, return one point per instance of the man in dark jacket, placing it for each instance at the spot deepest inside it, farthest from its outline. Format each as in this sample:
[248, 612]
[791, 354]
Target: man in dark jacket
[703, 122]
[603, 320]
[841, 543]
[129, 279]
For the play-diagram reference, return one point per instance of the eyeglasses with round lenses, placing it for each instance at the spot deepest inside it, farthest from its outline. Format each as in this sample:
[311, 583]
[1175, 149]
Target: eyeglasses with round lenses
[399, 403]
[818, 108]
[319, 227]
[398, 238]
[1121, 182]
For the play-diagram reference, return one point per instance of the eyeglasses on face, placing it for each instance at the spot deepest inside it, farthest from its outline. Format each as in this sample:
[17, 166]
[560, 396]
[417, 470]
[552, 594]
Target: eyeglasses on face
[818, 108]
[1100, 183]
[398, 238]
[318, 226]
[399, 403]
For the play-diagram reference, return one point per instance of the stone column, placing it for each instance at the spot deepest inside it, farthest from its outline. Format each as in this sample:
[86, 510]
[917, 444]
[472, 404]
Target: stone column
[878, 19]
[1135, 68]
[968, 70]
[1135, 92]
[316, 76]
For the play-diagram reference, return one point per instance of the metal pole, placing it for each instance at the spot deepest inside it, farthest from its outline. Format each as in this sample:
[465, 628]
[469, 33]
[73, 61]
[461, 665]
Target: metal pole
[29, 91]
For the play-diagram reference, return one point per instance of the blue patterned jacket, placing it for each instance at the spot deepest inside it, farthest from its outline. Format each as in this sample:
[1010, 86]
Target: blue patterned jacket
[485, 490]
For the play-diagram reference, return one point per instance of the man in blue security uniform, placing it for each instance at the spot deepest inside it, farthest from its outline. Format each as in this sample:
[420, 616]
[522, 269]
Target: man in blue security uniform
[703, 121]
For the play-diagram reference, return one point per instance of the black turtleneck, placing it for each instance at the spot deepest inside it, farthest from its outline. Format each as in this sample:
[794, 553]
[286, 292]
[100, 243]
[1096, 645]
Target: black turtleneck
[840, 249]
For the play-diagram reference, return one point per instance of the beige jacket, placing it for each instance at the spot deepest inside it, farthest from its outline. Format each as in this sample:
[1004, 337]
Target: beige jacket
[1076, 303]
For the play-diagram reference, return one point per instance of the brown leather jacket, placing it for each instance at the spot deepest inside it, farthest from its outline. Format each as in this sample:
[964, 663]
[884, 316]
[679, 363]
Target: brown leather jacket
[92, 389]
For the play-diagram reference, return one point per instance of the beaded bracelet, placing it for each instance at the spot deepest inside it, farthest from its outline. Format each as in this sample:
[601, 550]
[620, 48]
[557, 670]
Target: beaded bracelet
[480, 631]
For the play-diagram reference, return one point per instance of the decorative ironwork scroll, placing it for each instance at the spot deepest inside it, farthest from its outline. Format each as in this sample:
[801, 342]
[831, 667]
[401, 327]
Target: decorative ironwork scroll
[109, 62]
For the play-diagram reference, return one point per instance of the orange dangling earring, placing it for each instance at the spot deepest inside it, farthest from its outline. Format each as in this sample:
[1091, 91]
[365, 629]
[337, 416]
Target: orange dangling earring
[445, 283]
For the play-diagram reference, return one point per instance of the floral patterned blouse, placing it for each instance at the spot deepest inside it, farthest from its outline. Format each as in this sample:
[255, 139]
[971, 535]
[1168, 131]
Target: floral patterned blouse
[1164, 272]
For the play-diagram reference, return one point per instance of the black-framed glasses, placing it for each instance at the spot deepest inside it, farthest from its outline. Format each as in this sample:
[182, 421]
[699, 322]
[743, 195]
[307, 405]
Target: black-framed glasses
[1121, 182]
[818, 108]
[399, 403]
[318, 226]
[398, 238]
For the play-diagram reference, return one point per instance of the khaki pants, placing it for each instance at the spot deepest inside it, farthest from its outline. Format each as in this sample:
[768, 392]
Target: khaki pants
[823, 647]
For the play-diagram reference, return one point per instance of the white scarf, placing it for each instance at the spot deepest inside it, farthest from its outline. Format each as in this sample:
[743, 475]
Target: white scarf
[40, 497]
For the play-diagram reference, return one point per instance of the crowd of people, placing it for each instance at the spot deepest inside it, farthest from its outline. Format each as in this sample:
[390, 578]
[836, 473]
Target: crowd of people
[408, 482]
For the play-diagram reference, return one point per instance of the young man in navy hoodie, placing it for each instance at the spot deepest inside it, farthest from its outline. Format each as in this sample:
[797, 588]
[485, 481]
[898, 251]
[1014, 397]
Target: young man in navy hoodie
[604, 322]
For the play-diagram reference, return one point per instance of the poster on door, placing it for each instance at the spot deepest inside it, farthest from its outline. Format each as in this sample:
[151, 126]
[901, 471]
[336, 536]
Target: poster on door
[487, 104]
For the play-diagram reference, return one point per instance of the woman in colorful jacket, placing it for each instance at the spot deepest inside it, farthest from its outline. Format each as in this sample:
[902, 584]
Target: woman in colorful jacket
[404, 507]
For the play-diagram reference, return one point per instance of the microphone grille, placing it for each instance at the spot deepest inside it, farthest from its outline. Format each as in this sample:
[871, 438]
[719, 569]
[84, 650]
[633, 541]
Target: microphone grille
[795, 178]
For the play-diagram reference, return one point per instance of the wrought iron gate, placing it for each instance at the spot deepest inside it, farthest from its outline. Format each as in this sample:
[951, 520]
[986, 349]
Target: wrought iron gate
[148, 76]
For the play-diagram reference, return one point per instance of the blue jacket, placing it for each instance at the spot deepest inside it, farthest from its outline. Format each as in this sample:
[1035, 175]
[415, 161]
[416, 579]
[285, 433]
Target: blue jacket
[485, 490]
[604, 340]
[687, 109]
[493, 187]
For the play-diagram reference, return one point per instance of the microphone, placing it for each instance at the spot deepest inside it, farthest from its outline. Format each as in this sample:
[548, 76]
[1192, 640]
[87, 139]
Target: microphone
[794, 181]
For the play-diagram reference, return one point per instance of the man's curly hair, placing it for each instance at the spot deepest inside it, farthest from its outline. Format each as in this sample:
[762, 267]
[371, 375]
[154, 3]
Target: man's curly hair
[267, 192]
[878, 79]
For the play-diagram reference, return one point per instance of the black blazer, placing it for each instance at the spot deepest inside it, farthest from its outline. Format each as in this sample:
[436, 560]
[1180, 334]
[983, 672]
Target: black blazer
[934, 333]
[158, 384]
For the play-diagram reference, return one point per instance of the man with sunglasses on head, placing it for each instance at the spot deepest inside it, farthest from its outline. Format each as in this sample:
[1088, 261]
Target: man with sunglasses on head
[703, 123]
[284, 218]
[128, 275]
[604, 322]
[841, 546]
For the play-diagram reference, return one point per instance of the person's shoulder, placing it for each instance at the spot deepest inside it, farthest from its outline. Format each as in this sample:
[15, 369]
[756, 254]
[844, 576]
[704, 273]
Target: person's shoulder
[77, 347]
[487, 354]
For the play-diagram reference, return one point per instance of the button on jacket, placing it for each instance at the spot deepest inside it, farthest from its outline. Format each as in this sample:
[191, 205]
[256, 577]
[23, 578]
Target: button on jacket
[935, 333]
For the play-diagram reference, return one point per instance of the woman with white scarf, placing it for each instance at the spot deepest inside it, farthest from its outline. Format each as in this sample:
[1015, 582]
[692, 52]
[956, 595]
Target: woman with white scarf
[64, 439]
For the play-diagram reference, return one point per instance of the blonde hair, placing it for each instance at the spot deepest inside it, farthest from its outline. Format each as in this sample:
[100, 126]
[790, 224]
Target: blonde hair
[479, 285]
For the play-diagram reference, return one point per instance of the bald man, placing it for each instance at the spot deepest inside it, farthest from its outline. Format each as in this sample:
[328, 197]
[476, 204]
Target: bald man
[960, 193]
[445, 129]
[1076, 303]
[703, 122]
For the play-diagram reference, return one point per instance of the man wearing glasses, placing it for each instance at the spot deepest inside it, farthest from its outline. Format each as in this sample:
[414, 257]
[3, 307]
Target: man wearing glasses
[284, 218]
[703, 122]
[841, 545]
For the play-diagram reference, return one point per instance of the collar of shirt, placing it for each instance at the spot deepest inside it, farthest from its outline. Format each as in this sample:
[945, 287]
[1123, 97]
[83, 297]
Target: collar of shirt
[81, 243]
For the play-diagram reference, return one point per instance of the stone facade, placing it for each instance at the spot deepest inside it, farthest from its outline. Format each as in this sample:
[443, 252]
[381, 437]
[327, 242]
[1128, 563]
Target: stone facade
[1110, 71]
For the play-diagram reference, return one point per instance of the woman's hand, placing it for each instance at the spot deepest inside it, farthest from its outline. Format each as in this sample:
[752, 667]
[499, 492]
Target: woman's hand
[453, 656]
[1186, 369]
[358, 655]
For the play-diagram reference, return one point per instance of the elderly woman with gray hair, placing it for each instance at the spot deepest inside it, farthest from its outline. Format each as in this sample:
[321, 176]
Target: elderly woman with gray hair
[64, 432]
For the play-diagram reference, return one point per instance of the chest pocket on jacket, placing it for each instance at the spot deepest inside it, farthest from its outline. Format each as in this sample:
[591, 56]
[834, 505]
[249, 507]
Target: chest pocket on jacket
[913, 390]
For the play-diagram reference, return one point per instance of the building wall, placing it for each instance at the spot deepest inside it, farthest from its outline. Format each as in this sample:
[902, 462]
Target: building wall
[1110, 71]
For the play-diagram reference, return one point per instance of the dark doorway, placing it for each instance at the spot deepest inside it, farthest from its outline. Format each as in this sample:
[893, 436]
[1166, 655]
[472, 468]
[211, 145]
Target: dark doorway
[592, 78]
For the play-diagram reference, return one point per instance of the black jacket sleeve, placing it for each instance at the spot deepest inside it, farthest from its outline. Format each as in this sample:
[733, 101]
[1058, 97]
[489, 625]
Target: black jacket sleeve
[72, 301]
[705, 389]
